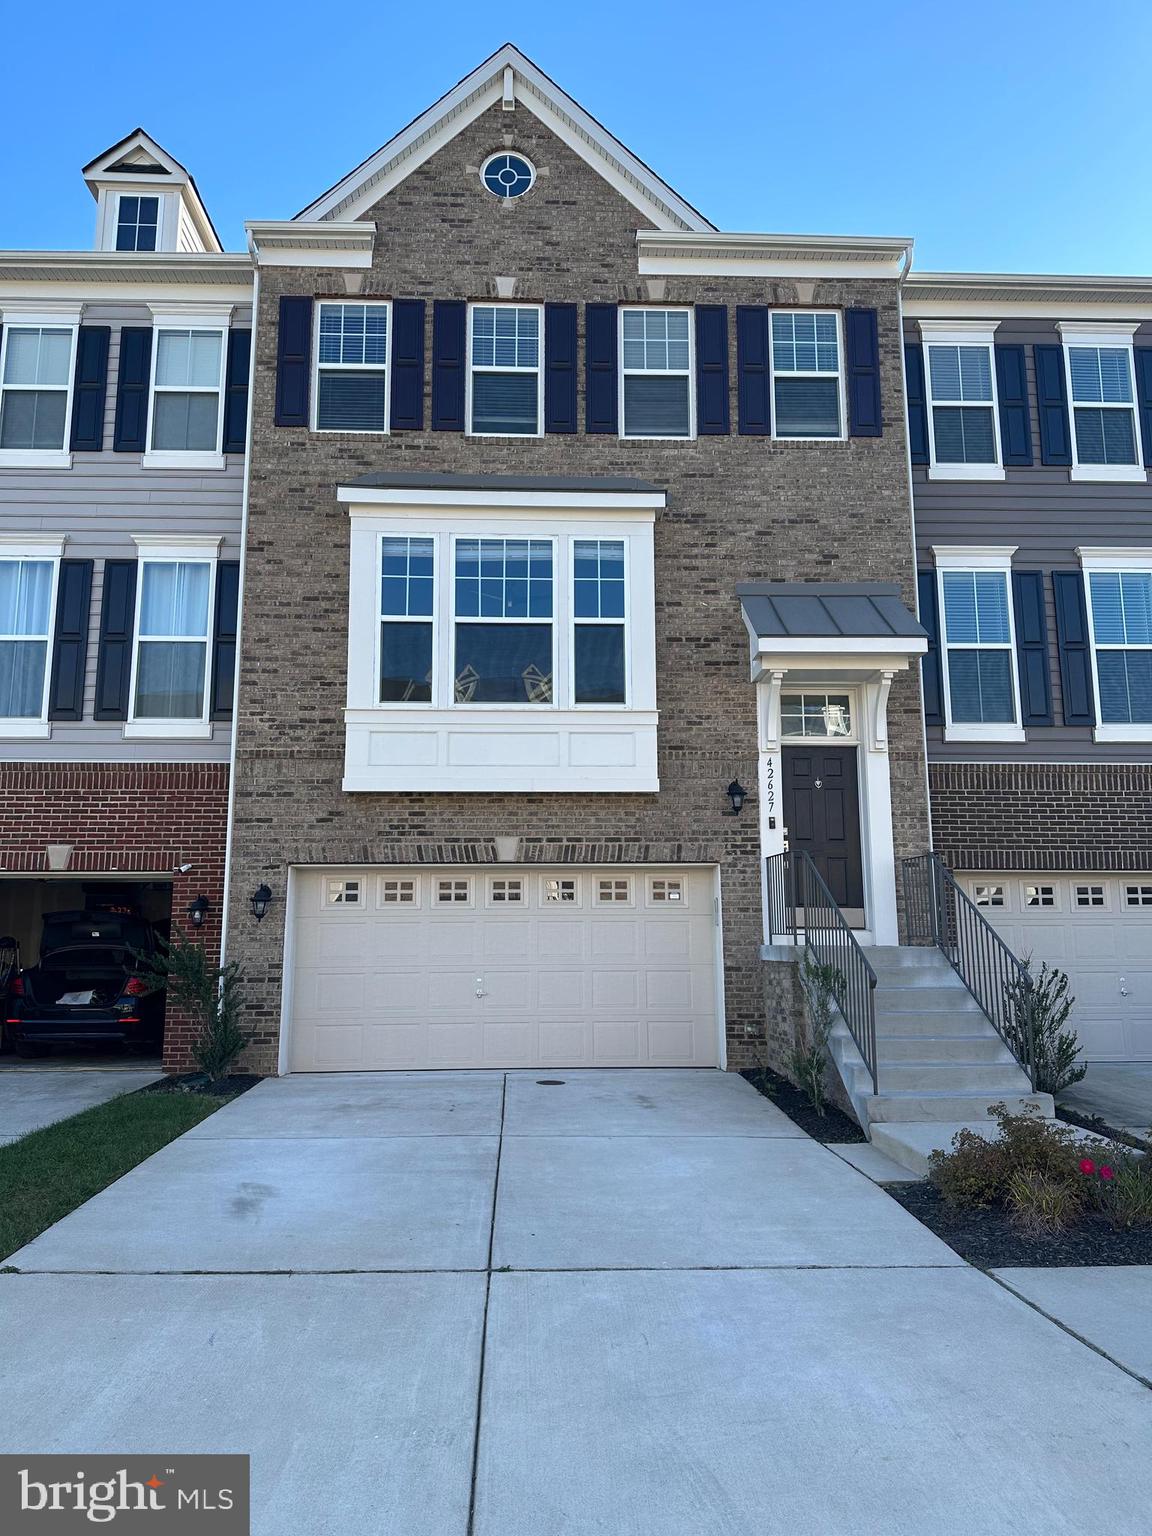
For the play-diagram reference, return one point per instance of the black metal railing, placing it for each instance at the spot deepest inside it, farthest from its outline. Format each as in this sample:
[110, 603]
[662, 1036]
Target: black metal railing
[936, 909]
[801, 907]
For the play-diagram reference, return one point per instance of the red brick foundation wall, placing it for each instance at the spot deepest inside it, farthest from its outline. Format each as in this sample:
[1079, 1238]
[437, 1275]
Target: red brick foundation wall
[145, 818]
[1043, 816]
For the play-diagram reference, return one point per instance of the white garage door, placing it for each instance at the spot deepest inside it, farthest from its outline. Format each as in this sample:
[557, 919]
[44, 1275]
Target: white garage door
[502, 967]
[1098, 928]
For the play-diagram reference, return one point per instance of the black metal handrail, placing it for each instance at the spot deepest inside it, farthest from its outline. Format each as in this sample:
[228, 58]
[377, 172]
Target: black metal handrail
[935, 908]
[801, 907]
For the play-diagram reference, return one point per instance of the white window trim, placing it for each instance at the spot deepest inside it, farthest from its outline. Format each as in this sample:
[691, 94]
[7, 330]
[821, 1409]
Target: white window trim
[661, 373]
[318, 367]
[795, 373]
[192, 317]
[21, 547]
[977, 558]
[159, 549]
[59, 317]
[120, 196]
[472, 368]
[1106, 562]
[1091, 334]
[625, 621]
[959, 333]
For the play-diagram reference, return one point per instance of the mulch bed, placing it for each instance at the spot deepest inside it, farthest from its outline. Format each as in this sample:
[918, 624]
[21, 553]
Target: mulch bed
[991, 1240]
[1102, 1128]
[196, 1082]
[833, 1127]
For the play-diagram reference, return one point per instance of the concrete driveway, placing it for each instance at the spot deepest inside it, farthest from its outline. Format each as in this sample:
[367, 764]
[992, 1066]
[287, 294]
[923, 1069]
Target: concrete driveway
[31, 1099]
[633, 1303]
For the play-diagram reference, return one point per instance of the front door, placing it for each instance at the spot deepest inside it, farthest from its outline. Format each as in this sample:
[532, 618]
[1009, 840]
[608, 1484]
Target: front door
[822, 815]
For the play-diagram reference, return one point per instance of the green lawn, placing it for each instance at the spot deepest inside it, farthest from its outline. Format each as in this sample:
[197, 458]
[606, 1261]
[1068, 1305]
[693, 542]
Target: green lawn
[48, 1173]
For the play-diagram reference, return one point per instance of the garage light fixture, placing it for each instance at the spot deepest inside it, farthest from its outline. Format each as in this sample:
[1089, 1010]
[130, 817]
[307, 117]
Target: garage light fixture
[260, 900]
[737, 794]
[198, 911]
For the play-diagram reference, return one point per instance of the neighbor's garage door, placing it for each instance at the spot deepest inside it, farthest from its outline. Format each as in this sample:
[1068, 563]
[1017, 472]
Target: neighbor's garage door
[1098, 928]
[504, 967]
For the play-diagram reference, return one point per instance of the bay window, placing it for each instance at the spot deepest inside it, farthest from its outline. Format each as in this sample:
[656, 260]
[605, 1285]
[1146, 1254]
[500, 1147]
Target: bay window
[351, 392]
[806, 386]
[964, 441]
[503, 652]
[27, 584]
[656, 368]
[1119, 597]
[978, 651]
[599, 651]
[505, 380]
[175, 603]
[406, 592]
[37, 359]
[1105, 434]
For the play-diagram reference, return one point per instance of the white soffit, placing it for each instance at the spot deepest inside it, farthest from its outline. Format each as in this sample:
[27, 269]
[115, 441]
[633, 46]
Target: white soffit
[294, 243]
[941, 295]
[532, 89]
[721, 254]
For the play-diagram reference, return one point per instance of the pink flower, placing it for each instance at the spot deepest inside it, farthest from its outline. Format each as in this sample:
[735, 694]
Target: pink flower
[1087, 1165]
[1106, 1172]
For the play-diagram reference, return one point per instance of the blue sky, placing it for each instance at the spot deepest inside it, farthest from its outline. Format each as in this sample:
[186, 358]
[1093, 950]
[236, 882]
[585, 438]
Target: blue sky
[1003, 136]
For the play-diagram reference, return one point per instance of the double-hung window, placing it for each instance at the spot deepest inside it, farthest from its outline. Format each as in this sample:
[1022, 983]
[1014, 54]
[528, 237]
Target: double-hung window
[27, 582]
[1120, 611]
[978, 650]
[961, 378]
[36, 366]
[807, 395]
[503, 645]
[599, 649]
[656, 366]
[187, 389]
[352, 381]
[505, 380]
[137, 221]
[174, 612]
[407, 589]
[1105, 433]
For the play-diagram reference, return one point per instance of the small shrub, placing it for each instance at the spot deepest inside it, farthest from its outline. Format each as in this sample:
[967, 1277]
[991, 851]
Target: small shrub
[972, 1176]
[1038, 1202]
[1121, 1187]
[807, 1057]
[1055, 1047]
[978, 1171]
[211, 993]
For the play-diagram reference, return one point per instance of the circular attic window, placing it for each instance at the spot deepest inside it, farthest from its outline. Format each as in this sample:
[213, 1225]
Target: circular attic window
[507, 175]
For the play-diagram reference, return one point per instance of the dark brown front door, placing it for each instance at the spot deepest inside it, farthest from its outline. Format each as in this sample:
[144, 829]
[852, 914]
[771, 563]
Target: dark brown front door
[822, 814]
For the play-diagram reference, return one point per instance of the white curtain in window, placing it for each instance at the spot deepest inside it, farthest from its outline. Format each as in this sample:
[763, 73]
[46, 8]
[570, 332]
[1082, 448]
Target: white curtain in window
[174, 600]
[25, 593]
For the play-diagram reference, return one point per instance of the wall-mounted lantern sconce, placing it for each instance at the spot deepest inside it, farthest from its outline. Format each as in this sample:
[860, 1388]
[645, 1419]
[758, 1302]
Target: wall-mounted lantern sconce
[260, 900]
[198, 911]
[737, 794]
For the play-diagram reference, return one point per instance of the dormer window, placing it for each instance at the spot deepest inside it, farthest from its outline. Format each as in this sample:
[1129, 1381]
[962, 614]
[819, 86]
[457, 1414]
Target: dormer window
[137, 221]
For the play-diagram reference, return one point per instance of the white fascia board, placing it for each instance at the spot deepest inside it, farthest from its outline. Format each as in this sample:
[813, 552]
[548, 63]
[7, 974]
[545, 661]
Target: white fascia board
[201, 311]
[483, 88]
[721, 254]
[973, 557]
[293, 243]
[640, 505]
[957, 332]
[1119, 558]
[1094, 333]
[162, 546]
[884, 653]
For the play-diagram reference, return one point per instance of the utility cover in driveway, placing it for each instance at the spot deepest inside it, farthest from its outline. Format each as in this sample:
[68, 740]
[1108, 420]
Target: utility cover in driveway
[503, 967]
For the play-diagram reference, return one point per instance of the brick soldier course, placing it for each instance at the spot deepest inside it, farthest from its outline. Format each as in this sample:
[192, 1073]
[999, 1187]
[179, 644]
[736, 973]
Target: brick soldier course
[739, 508]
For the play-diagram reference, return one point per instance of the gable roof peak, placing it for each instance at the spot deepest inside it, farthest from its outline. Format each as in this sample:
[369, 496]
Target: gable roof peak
[507, 75]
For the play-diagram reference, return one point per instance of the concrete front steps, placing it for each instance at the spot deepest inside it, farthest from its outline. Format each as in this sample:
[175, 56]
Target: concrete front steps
[940, 1063]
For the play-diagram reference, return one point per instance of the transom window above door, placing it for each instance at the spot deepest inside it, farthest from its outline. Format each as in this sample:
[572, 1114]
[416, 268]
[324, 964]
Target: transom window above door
[816, 714]
[505, 379]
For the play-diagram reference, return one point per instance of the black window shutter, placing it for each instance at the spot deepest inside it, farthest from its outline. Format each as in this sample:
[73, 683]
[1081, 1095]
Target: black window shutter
[601, 412]
[753, 388]
[930, 678]
[917, 403]
[130, 433]
[293, 361]
[1075, 648]
[224, 639]
[1015, 417]
[1032, 647]
[862, 336]
[560, 367]
[117, 623]
[1052, 405]
[236, 391]
[1143, 356]
[90, 388]
[70, 643]
[712, 414]
[449, 345]
[407, 365]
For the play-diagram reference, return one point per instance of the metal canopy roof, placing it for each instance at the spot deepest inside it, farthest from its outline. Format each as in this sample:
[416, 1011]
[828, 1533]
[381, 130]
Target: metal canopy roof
[791, 610]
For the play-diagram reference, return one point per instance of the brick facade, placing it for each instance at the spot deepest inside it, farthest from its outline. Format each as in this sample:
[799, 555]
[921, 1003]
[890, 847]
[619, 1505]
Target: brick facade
[142, 818]
[739, 508]
[1043, 816]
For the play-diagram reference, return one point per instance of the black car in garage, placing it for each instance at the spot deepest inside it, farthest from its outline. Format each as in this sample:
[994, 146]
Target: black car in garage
[90, 986]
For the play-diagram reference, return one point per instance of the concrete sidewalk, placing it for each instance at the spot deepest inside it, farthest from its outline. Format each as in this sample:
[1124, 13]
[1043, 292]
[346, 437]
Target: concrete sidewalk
[688, 1319]
[32, 1099]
